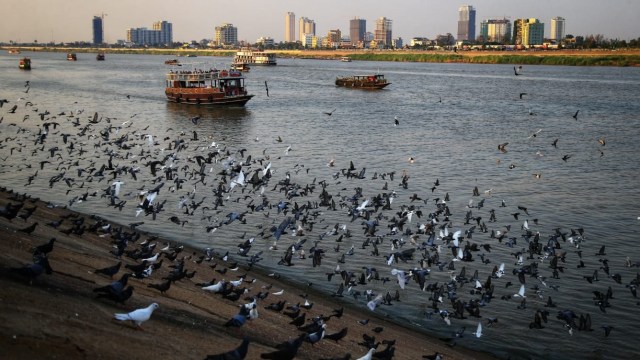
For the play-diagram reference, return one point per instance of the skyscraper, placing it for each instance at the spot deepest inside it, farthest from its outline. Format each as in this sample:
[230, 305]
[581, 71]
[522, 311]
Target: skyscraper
[382, 34]
[528, 32]
[557, 28]
[98, 35]
[357, 30]
[162, 34]
[496, 30]
[467, 23]
[227, 34]
[307, 26]
[290, 27]
[165, 32]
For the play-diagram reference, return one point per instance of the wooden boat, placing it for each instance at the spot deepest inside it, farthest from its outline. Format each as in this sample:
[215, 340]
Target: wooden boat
[25, 63]
[172, 62]
[71, 57]
[369, 82]
[240, 67]
[100, 57]
[207, 88]
[14, 51]
[254, 57]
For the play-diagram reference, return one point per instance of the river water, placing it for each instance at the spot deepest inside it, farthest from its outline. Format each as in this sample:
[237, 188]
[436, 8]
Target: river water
[451, 118]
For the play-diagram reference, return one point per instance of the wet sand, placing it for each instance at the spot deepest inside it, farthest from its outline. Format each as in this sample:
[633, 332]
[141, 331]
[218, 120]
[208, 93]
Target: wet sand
[59, 315]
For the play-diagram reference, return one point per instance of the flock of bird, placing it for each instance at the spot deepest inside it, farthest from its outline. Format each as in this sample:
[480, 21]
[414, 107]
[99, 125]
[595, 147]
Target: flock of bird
[459, 262]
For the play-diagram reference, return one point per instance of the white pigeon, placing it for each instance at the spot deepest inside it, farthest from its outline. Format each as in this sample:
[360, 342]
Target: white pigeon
[368, 355]
[215, 288]
[152, 259]
[278, 292]
[478, 332]
[520, 292]
[401, 277]
[239, 180]
[374, 303]
[138, 316]
[116, 187]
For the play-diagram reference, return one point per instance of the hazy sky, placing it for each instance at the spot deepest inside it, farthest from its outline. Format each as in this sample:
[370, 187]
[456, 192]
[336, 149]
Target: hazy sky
[71, 20]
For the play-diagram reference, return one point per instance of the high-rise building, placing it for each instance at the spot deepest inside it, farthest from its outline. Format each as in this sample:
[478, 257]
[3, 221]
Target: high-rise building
[307, 26]
[496, 30]
[290, 27]
[382, 34]
[557, 28]
[466, 23]
[357, 30]
[528, 32]
[98, 30]
[334, 38]
[166, 31]
[162, 34]
[227, 34]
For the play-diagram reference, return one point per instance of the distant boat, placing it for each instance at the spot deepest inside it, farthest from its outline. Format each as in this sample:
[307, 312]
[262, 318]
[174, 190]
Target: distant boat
[240, 67]
[192, 55]
[14, 51]
[100, 57]
[254, 57]
[25, 63]
[207, 88]
[345, 59]
[172, 62]
[368, 82]
[71, 57]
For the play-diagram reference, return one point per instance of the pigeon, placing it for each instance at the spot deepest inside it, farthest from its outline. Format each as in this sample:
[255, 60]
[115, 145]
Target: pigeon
[287, 350]
[32, 271]
[368, 355]
[109, 270]
[238, 353]
[138, 316]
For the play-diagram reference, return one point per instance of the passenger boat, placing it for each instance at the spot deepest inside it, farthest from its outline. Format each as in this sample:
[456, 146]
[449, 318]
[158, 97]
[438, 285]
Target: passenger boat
[207, 88]
[172, 62]
[345, 59]
[254, 57]
[25, 63]
[100, 57]
[71, 57]
[14, 51]
[240, 67]
[369, 82]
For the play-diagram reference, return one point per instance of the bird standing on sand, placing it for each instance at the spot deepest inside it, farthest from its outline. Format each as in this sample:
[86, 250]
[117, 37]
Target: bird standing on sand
[238, 353]
[138, 316]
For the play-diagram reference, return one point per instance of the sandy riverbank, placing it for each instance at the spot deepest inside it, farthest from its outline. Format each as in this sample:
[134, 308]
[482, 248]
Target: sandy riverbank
[59, 316]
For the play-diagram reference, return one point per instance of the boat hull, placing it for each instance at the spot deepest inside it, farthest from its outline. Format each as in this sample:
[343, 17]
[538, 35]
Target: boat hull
[361, 85]
[206, 99]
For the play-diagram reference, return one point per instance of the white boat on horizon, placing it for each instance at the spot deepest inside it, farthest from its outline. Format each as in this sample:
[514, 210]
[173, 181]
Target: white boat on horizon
[254, 57]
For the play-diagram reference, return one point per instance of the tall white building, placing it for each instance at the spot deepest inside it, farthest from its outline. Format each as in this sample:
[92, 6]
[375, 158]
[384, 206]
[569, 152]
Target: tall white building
[557, 28]
[306, 26]
[382, 34]
[290, 27]
[227, 34]
[466, 23]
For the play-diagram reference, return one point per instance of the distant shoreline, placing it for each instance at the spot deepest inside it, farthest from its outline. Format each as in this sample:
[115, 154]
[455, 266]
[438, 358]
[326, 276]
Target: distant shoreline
[623, 58]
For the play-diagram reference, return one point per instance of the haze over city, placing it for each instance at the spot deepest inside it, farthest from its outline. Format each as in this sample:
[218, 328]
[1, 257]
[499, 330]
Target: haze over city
[70, 20]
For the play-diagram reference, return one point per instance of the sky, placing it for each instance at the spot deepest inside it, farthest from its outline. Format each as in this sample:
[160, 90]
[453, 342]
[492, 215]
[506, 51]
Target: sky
[71, 20]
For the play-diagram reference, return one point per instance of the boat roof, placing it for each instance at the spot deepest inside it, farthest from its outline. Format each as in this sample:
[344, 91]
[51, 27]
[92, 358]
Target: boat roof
[202, 75]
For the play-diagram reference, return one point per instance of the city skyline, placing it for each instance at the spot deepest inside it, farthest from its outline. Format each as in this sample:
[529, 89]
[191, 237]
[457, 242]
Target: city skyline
[71, 20]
